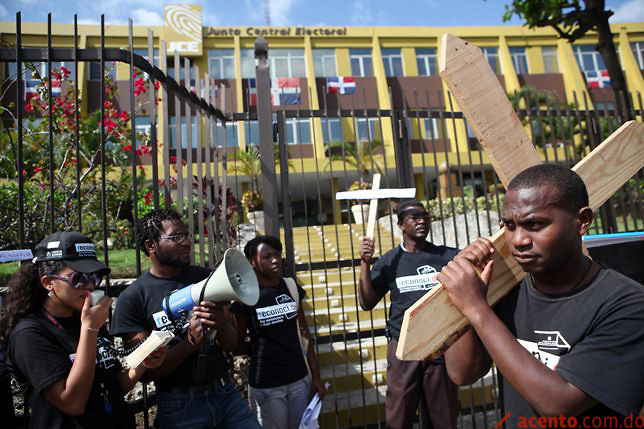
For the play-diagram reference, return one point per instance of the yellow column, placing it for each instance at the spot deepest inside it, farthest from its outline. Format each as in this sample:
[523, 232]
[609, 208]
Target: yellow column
[384, 101]
[509, 74]
[419, 182]
[318, 139]
[535, 59]
[83, 76]
[337, 214]
[409, 61]
[344, 69]
[241, 131]
[573, 79]
[632, 72]
[461, 132]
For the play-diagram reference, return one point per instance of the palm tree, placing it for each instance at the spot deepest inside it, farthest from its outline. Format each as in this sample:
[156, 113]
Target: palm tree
[363, 156]
[250, 163]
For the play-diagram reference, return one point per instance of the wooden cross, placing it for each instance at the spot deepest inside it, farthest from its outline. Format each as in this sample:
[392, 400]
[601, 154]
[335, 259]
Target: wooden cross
[374, 194]
[432, 324]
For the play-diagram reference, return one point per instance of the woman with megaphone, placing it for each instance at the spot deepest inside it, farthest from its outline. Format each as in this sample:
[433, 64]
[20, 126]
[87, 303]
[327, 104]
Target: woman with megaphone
[53, 322]
[284, 372]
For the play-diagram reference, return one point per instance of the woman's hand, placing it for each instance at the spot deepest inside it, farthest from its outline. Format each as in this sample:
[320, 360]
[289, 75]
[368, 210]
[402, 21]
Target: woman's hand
[318, 387]
[94, 316]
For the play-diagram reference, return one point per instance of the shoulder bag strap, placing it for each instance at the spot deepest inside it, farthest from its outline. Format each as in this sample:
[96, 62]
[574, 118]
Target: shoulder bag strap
[304, 342]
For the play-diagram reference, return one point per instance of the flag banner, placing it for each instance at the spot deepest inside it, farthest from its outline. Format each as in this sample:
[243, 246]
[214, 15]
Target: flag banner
[340, 85]
[597, 79]
[32, 85]
[284, 91]
[31, 89]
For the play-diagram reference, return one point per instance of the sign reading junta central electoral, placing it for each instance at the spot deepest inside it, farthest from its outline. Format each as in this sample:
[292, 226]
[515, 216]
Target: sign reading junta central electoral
[183, 29]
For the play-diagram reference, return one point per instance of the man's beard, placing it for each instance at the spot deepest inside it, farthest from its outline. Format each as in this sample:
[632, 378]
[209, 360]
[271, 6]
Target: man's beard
[171, 260]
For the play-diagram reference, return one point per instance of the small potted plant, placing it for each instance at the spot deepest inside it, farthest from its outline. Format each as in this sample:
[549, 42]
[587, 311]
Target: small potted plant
[360, 208]
[253, 204]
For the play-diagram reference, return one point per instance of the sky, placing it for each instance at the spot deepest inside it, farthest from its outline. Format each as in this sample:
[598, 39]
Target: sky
[292, 12]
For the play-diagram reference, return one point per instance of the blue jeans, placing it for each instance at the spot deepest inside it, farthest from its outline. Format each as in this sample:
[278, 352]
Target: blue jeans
[221, 408]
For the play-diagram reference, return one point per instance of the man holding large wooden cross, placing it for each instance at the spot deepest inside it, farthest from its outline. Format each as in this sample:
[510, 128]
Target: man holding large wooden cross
[579, 326]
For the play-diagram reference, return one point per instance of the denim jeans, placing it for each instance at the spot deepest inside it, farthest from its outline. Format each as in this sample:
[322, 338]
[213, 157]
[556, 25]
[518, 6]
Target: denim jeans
[221, 408]
[280, 407]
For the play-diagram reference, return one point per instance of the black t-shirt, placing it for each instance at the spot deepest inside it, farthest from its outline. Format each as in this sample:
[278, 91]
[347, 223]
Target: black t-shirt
[276, 355]
[139, 308]
[408, 276]
[42, 352]
[593, 338]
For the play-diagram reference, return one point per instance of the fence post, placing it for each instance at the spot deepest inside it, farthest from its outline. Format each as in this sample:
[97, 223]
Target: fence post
[266, 151]
[402, 150]
[286, 197]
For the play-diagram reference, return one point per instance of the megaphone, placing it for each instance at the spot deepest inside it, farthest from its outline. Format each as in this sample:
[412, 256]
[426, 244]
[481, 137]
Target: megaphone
[234, 279]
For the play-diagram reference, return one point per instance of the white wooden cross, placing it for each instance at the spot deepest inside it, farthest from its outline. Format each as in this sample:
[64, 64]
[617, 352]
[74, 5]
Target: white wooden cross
[374, 194]
[433, 323]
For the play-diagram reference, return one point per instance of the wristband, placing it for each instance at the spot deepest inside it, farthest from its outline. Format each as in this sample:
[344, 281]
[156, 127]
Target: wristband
[89, 328]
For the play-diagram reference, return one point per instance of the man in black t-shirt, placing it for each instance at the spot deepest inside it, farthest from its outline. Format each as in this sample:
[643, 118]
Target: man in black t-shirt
[409, 272]
[568, 342]
[193, 387]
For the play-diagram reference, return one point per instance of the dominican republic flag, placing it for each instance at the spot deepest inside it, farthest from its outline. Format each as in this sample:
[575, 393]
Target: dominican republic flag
[597, 79]
[31, 89]
[340, 85]
[284, 91]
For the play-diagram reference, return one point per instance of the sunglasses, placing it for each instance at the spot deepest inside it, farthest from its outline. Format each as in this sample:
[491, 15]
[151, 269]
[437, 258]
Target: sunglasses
[80, 280]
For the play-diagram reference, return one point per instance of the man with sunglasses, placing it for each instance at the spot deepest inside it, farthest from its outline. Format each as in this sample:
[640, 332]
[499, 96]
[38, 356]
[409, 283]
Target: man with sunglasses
[193, 386]
[409, 271]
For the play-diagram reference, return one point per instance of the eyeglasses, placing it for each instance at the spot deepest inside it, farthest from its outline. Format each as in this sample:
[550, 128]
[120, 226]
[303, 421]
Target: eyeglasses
[177, 238]
[80, 280]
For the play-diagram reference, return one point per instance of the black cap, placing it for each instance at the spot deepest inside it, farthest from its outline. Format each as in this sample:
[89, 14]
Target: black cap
[74, 249]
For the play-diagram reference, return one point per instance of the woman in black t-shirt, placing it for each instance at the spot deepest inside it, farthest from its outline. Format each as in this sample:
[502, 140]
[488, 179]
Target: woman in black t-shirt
[57, 342]
[279, 383]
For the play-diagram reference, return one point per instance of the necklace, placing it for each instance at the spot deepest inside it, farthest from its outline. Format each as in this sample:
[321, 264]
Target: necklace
[579, 282]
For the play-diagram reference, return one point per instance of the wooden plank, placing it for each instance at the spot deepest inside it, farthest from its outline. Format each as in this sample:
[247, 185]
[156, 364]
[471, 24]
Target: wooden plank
[432, 324]
[373, 207]
[487, 108]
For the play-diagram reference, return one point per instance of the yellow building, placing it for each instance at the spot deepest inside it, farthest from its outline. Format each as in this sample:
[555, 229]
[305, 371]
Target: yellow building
[380, 68]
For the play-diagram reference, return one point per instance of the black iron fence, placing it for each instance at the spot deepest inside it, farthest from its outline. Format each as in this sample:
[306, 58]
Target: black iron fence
[65, 166]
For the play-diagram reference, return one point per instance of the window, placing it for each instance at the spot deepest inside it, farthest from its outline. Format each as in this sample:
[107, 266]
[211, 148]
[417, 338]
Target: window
[361, 62]
[231, 134]
[144, 54]
[142, 125]
[182, 72]
[298, 131]
[550, 60]
[252, 133]
[592, 66]
[221, 63]
[248, 63]
[588, 58]
[371, 133]
[426, 61]
[95, 70]
[324, 63]
[492, 56]
[287, 63]
[184, 137]
[392, 60]
[331, 130]
[431, 128]
[638, 51]
[519, 59]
